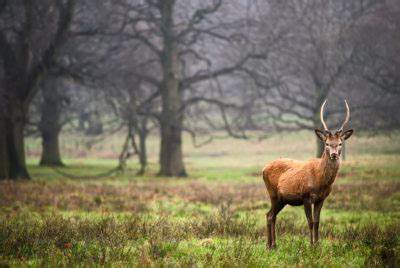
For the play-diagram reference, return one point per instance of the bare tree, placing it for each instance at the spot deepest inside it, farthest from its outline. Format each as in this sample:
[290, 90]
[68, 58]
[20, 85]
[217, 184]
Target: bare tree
[175, 33]
[81, 61]
[377, 67]
[28, 45]
[317, 56]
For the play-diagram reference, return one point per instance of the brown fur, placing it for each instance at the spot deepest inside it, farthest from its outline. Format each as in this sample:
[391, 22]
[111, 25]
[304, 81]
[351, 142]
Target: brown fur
[303, 182]
[293, 180]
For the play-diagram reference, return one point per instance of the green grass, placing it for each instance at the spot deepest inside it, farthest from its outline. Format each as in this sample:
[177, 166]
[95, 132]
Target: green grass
[216, 217]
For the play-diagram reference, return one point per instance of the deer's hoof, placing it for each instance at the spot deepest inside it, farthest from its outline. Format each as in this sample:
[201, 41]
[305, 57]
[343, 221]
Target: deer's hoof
[272, 246]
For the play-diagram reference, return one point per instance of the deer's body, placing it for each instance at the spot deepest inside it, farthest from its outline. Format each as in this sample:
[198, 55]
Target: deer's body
[305, 183]
[294, 181]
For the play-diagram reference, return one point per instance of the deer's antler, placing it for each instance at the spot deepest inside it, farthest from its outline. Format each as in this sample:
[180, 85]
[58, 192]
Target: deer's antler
[322, 115]
[347, 116]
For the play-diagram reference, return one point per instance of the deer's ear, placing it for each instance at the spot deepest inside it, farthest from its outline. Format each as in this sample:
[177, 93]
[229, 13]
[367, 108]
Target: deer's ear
[345, 135]
[320, 134]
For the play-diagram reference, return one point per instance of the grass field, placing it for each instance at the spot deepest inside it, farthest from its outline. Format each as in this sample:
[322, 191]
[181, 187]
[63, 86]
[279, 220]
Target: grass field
[215, 217]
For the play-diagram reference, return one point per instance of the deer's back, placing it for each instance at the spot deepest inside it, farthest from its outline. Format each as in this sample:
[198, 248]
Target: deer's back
[287, 176]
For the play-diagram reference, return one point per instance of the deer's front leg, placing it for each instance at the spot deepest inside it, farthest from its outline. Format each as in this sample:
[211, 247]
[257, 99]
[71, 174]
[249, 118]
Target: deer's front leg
[269, 235]
[276, 207]
[308, 211]
[317, 211]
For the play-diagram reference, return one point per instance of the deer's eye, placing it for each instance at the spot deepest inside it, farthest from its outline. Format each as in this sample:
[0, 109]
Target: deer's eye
[326, 144]
[340, 144]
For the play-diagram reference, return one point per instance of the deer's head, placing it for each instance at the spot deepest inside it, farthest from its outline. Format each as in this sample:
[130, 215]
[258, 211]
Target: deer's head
[333, 141]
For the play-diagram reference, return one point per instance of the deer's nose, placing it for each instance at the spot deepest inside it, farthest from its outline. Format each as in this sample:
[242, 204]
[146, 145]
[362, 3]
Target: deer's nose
[334, 156]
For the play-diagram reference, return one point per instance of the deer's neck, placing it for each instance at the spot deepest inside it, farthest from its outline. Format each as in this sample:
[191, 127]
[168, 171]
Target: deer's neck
[328, 169]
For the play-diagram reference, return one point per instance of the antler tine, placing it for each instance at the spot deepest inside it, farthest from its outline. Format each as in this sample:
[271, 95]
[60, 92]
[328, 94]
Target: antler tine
[347, 116]
[322, 115]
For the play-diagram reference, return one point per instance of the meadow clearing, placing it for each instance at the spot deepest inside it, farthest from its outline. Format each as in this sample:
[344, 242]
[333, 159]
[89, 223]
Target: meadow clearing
[215, 217]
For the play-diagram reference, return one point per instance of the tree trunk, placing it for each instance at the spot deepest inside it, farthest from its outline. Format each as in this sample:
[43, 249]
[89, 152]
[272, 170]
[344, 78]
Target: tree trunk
[171, 159]
[3, 150]
[50, 150]
[14, 155]
[143, 153]
[95, 126]
[143, 132]
[50, 127]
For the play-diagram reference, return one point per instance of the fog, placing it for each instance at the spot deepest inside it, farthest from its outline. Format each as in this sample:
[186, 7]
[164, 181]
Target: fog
[164, 68]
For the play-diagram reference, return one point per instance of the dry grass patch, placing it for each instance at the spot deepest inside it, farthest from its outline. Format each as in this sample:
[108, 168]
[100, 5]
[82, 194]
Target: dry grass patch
[136, 197]
[133, 197]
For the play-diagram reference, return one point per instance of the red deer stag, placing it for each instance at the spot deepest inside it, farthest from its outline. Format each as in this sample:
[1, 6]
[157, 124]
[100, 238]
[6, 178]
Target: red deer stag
[305, 182]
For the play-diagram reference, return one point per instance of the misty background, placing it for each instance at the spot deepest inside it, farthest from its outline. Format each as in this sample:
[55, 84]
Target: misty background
[210, 69]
